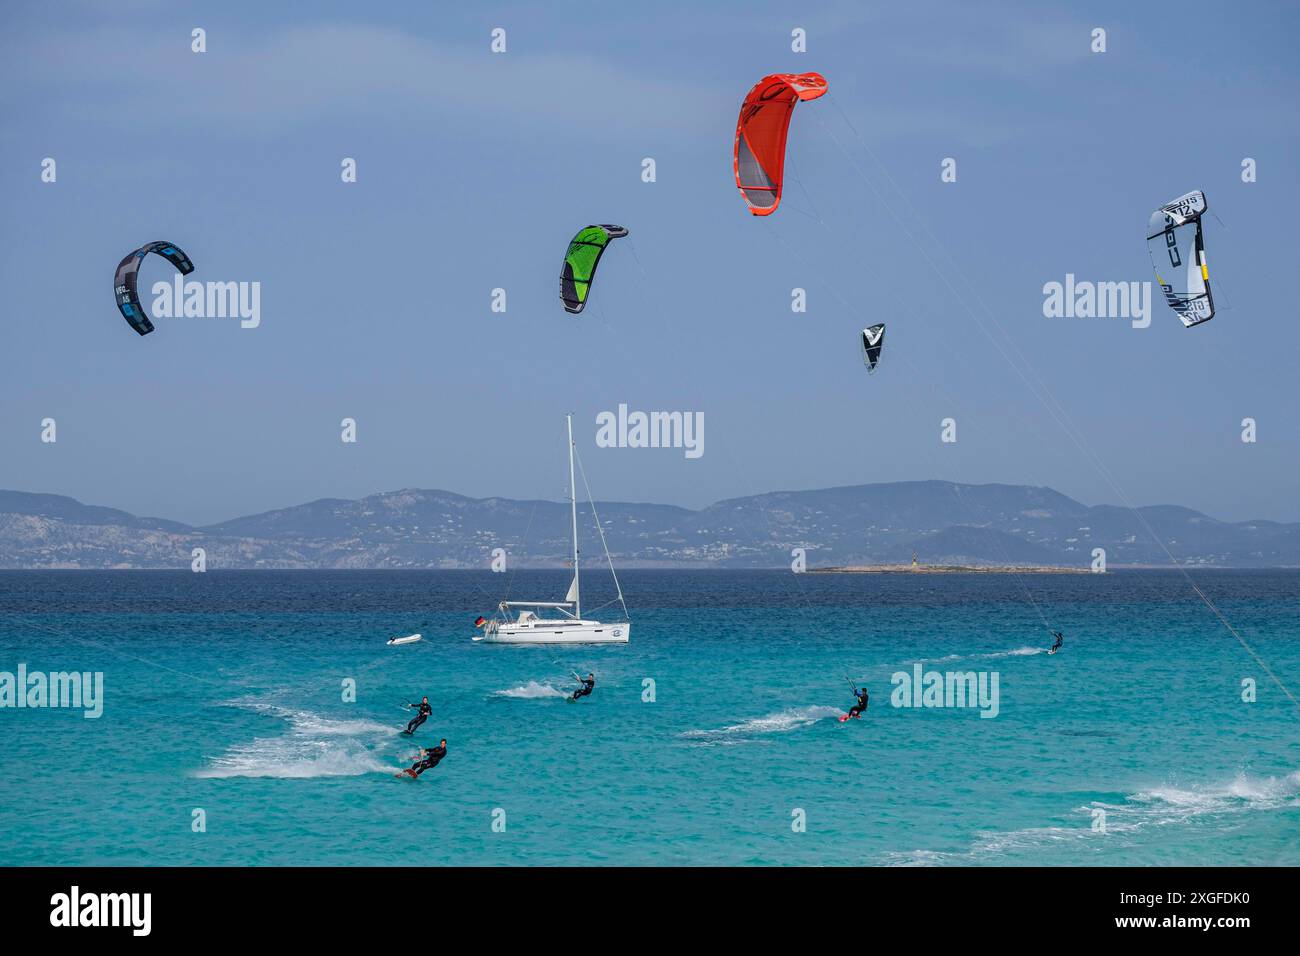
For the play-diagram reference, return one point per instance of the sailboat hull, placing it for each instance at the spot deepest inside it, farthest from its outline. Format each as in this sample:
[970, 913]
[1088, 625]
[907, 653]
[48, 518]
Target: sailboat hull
[557, 632]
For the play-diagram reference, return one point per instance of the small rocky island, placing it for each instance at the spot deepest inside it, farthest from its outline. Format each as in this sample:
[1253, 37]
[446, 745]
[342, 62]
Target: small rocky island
[917, 568]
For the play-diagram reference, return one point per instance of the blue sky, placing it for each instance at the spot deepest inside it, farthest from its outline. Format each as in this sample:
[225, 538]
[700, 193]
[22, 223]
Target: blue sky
[475, 168]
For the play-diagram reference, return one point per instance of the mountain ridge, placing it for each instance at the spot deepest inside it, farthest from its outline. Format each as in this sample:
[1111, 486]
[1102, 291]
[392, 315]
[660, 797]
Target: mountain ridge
[942, 522]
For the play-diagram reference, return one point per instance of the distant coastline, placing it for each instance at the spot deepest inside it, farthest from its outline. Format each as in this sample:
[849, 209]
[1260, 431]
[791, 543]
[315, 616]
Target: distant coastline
[950, 569]
[877, 528]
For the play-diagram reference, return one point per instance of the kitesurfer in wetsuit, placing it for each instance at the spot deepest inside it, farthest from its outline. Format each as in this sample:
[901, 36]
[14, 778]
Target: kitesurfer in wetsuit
[857, 709]
[585, 689]
[429, 758]
[1060, 639]
[418, 719]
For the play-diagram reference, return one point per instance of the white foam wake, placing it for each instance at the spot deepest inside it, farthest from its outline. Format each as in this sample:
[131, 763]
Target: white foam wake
[530, 691]
[282, 757]
[313, 746]
[1171, 804]
[1157, 806]
[780, 722]
[1014, 652]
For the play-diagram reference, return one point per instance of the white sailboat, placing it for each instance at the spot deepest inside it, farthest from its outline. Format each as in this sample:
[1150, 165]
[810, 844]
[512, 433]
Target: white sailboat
[519, 622]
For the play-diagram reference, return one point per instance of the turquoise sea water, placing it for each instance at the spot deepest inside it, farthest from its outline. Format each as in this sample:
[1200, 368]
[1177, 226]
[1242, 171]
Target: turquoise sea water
[224, 692]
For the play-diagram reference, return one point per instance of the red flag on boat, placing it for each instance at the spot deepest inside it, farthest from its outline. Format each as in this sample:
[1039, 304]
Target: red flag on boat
[480, 622]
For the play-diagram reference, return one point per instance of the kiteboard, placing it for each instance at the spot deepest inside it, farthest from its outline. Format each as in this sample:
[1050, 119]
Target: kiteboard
[845, 717]
[409, 639]
[1052, 650]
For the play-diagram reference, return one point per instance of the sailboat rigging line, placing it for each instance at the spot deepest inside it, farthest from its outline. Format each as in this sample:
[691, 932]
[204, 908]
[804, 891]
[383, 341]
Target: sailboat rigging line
[601, 531]
[1024, 368]
[510, 577]
[653, 291]
[568, 625]
[564, 667]
[575, 588]
[514, 566]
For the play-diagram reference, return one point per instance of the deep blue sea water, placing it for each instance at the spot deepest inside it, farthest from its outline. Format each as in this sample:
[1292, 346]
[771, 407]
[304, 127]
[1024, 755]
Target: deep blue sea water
[225, 692]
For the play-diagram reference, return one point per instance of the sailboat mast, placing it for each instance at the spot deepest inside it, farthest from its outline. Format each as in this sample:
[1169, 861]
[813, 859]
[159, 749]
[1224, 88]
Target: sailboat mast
[573, 506]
